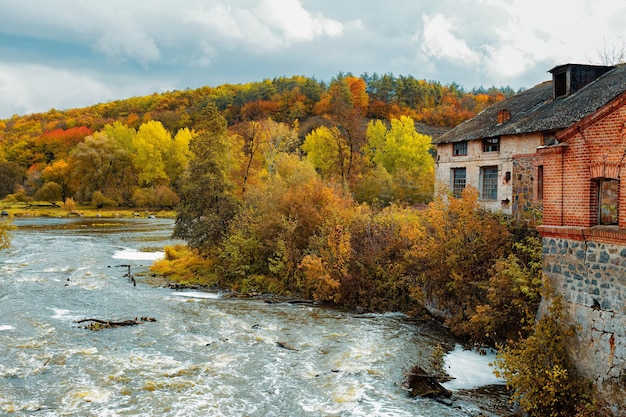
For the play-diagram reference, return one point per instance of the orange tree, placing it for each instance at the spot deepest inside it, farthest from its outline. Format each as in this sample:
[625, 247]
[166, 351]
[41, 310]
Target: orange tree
[453, 247]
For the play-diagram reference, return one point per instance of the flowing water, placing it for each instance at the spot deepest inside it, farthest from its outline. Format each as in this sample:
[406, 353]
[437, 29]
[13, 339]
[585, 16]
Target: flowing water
[204, 355]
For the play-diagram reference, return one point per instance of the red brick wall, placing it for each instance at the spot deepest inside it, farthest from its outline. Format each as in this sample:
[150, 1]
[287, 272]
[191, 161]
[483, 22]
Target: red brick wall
[589, 151]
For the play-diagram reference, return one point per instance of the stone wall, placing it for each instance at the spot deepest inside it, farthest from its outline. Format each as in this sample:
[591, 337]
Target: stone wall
[526, 207]
[591, 277]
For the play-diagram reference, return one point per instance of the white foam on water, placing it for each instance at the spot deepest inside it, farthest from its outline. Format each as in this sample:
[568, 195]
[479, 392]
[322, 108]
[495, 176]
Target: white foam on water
[198, 294]
[135, 255]
[62, 314]
[470, 369]
[4, 327]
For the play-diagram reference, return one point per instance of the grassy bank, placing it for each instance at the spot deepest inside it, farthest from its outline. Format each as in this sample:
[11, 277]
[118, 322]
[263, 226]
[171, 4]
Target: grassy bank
[56, 209]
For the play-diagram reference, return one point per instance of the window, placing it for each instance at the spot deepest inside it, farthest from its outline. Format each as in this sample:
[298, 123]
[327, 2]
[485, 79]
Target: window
[608, 193]
[549, 138]
[560, 84]
[459, 148]
[539, 183]
[459, 178]
[491, 145]
[489, 183]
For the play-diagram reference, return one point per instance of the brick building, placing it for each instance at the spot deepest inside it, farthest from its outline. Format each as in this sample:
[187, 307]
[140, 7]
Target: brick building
[561, 150]
[584, 228]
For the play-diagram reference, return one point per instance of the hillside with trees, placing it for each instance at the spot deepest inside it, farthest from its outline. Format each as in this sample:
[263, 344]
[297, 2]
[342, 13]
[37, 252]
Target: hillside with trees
[132, 152]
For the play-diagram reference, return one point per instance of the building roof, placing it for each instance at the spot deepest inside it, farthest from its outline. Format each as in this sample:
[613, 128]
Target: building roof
[536, 109]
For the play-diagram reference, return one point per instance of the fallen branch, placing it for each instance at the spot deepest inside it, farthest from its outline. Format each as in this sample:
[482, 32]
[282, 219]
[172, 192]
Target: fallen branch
[98, 324]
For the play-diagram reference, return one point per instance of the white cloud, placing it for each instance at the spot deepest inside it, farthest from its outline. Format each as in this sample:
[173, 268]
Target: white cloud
[36, 88]
[562, 32]
[270, 26]
[439, 41]
[28, 88]
[295, 23]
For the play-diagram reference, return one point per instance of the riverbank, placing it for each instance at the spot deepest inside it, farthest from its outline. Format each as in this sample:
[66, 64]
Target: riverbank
[55, 209]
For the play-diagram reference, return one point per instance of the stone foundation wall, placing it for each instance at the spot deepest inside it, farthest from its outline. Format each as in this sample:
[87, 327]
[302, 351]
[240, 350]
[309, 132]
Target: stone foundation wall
[591, 277]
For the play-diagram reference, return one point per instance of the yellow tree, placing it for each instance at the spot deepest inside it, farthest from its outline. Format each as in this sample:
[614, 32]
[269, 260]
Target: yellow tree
[60, 173]
[177, 157]
[326, 151]
[405, 155]
[123, 134]
[258, 144]
[151, 144]
[99, 164]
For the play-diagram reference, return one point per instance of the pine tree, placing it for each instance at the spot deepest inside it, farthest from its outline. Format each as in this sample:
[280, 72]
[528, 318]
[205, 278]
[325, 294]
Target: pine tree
[207, 202]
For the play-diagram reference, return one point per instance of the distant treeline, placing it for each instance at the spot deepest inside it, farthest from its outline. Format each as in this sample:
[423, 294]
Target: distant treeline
[285, 99]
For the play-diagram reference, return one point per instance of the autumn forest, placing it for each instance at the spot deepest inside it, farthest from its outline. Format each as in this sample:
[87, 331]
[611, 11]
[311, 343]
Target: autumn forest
[132, 152]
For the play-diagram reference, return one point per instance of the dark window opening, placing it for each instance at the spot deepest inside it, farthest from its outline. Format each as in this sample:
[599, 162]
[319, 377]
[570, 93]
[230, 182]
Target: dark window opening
[540, 182]
[491, 145]
[608, 198]
[459, 148]
[560, 84]
[549, 138]
[459, 180]
[489, 183]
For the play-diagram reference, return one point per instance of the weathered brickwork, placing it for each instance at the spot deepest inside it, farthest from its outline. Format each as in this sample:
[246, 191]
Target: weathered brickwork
[591, 277]
[587, 152]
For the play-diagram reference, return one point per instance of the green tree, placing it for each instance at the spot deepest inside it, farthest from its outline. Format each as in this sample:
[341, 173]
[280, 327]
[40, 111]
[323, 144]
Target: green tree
[11, 175]
[207, 202]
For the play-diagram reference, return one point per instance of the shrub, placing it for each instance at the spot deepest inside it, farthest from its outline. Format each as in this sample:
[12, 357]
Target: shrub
[184, 265]
[69, 205]
[453, 246]
[539, 370]
[99, 200]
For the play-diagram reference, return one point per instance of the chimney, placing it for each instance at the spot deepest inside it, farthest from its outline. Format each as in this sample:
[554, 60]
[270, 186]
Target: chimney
[503, 115]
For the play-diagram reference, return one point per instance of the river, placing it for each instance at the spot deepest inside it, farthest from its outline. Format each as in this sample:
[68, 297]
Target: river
[203, 356]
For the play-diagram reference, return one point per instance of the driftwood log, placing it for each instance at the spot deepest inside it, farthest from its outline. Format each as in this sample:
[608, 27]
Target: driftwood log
[422, 384]
[98, 324]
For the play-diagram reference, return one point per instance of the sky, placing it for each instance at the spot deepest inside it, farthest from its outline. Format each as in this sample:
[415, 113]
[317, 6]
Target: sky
[74, 53]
